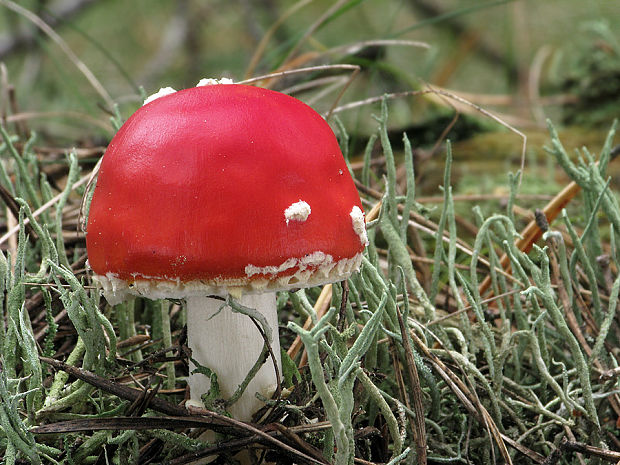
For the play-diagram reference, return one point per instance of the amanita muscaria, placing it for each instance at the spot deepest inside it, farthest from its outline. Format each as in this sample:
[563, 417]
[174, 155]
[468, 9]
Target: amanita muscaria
[221, 189]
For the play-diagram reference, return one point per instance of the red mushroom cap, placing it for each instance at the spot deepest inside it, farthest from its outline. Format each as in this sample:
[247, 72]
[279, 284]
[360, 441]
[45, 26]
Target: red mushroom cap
[228, 186]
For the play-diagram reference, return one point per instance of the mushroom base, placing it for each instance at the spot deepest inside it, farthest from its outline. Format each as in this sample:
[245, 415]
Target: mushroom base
[229, 344]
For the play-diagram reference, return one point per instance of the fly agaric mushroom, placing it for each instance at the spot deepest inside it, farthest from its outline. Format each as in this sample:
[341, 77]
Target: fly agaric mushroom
[224, 189]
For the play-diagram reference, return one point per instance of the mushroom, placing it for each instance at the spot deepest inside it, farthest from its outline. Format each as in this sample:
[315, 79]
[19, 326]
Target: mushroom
[224, 190]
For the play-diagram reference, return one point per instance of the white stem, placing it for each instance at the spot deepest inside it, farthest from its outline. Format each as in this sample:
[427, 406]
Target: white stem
[229, 344]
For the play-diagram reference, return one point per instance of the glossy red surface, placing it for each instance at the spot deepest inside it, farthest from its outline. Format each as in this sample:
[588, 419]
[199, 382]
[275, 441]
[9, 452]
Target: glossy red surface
[195, 185]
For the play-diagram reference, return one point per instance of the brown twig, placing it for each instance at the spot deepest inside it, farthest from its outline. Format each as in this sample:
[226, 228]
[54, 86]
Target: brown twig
[571, 319]
[398, 374]
[532, 232]
[122, 423]
[259, 433]
[184, 422]
[206, 418]
[343, 306]
[416, 393]
[462, 392]
[278, 393]
[13, 206]
[320, 307]
[119, 390]
[298, 441]
[573, 446]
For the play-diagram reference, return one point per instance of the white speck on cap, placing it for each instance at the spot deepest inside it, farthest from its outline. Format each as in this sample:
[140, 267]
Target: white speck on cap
[299, 211]
[211, 81]
[160, 93]
[359, 225]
